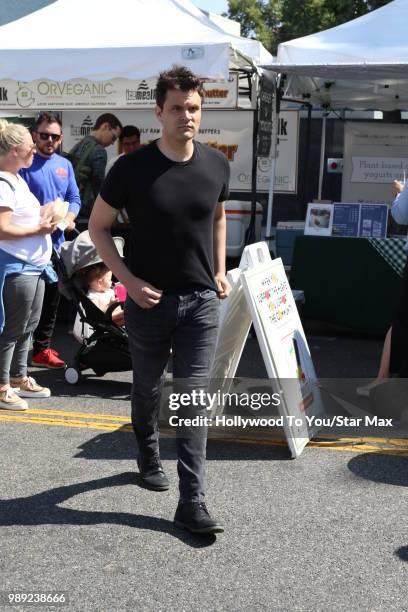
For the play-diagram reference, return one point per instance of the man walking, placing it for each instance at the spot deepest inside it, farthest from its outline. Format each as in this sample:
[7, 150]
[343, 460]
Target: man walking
[89, 158]
[173, 190]
[49, 177]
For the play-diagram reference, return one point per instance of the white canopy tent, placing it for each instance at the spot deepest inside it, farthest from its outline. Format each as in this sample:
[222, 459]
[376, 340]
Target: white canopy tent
[101, 39]
[359, 65]
[362, 64]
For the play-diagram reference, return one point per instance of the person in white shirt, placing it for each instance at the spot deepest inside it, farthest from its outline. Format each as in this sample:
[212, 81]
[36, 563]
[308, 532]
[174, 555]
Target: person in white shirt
[25, 250]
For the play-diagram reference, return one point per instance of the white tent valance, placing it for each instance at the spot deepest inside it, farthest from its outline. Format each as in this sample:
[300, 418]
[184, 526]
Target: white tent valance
[101, 39]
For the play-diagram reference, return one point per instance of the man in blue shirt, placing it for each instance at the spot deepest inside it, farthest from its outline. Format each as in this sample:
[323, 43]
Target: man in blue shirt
[51, 176]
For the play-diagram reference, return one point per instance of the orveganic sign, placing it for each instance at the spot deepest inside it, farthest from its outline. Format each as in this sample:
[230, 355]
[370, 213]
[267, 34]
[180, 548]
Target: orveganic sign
[115, 93]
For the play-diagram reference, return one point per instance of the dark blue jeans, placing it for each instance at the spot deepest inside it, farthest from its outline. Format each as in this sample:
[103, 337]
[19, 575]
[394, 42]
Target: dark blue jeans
[187, 324]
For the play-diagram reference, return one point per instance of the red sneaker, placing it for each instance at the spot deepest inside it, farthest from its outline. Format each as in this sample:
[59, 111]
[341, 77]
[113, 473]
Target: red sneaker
[48, 358]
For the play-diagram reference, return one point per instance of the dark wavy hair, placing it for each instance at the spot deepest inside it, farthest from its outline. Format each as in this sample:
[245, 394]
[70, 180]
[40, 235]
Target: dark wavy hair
[179, 77]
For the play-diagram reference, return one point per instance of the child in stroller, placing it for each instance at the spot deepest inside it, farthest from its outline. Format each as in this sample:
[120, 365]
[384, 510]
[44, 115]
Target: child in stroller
[96, 281]
[105, 348]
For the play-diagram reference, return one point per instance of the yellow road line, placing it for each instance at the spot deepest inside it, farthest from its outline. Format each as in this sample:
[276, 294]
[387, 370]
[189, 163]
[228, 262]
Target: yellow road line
[353, 445]
[330, 437]
[56, 412]
[359, 446]
[321, 440]
[105, 422]
[66, 422]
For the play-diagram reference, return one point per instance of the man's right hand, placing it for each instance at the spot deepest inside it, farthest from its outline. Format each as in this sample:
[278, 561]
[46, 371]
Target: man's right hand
[144, 294]
[102, 218]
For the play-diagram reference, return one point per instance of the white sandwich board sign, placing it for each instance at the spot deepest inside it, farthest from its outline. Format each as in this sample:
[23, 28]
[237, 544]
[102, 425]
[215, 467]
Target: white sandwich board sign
[261, 294]
[235, 323]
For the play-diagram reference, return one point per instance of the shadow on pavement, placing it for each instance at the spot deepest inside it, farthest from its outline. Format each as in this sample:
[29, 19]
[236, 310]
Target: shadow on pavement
[93, 386]
[387, 469]
[402, 553]
[120, 444]
[43, 509]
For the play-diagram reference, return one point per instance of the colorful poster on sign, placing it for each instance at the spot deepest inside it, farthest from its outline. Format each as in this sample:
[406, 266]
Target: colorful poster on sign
[284, 349]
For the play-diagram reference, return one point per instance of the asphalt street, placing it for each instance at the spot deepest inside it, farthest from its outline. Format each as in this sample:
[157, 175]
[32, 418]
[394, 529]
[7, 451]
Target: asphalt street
[323, 532]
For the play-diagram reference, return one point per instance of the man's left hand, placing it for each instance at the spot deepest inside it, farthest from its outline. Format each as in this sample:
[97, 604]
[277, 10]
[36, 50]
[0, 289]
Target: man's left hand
[223, 286]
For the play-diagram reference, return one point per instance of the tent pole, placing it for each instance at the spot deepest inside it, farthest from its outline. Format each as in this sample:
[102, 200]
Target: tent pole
[322, 156]
[306, 187]
[250, 233]
[275, 118]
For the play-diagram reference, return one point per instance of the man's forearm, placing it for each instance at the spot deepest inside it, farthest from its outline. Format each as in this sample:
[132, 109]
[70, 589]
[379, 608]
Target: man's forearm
[106, 248]
[220, 241]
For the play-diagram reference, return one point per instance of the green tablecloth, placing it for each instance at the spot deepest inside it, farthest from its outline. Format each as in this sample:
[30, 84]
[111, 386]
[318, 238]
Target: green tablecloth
[347, 281]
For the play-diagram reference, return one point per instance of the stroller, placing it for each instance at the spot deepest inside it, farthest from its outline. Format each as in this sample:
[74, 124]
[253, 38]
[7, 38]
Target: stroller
[107, 348]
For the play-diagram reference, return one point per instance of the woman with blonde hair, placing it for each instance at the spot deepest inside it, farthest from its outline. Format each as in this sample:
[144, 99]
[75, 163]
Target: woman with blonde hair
[25, 251]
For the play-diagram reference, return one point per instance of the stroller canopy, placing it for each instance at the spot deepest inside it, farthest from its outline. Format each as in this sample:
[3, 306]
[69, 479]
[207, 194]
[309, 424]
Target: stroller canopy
[81, 252]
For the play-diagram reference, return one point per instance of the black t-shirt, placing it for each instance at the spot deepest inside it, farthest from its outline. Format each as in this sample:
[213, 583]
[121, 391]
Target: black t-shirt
[171, 209]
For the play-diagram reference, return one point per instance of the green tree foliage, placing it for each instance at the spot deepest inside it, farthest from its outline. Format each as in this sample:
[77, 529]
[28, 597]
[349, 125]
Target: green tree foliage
[276, 21]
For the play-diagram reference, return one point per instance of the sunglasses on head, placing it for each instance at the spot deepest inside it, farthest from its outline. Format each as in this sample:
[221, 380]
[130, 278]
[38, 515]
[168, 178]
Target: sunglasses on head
[45, 136]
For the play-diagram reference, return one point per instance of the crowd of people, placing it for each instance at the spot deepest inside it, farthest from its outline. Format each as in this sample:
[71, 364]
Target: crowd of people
[33, 176]
[171, 192]
[174, 277]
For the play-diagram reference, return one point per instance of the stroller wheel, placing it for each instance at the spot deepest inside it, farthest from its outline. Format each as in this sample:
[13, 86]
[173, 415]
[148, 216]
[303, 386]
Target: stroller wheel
[72, 376]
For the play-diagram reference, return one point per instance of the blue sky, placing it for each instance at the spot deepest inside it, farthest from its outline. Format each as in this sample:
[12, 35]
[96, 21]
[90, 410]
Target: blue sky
[214, 6]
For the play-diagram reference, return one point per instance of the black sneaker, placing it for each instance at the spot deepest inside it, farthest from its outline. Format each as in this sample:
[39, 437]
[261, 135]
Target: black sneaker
[152, 473]
[195, 517]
